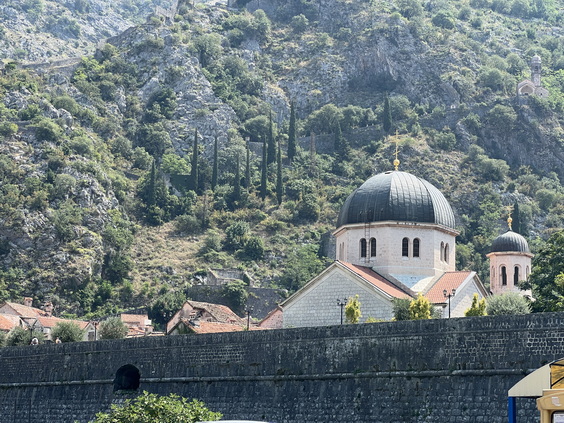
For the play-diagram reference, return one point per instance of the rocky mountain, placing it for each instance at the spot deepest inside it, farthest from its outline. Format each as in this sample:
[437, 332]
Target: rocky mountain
[104, 203]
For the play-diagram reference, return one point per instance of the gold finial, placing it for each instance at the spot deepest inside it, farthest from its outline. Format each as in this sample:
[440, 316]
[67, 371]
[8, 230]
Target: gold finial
[396, 161]
[509, 218]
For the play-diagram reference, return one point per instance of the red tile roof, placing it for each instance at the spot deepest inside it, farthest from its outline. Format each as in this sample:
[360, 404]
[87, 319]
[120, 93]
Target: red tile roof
[219, 312]
[215, 327]
[22, 310]
[448, 281]
[8, 322]
[377, 280]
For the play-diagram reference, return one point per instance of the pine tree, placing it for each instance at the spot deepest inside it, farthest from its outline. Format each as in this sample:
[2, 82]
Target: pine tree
[215, 165]
[292, 133]
[352, 310]
[152, 188]
[478, 307]
[387, 122]
[194, 170]
[420, 308]
[248, 168]
[263, 171]
[271, 151]
[279, 187]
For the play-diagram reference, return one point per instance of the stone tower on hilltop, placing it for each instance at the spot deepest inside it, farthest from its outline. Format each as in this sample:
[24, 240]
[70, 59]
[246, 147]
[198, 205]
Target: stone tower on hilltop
[533, 86]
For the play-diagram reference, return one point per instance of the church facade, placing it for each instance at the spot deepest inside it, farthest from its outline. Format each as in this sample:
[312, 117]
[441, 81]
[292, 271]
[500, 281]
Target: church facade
[395, 238]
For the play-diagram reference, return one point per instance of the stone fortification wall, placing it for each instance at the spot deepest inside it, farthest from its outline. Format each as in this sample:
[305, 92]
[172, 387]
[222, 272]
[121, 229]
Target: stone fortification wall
[424, 371]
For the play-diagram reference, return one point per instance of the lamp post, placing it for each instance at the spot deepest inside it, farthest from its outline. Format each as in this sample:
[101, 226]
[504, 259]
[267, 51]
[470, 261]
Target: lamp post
[248, 310]
[342, 303]
[449, 296]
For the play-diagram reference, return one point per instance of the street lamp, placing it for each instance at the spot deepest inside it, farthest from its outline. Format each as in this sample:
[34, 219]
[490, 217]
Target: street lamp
[342, 303]
[449, 296]
[249, 310]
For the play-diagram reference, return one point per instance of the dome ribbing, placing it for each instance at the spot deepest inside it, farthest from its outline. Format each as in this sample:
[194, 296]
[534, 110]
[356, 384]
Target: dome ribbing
[396, 196]
[510, 242]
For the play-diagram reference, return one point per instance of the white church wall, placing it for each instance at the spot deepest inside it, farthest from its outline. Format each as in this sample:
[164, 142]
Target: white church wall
[317, 306]
[509, 260]
[389, 257]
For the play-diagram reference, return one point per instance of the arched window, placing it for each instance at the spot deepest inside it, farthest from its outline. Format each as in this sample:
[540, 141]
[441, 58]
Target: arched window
[416, 247]
[405, 247]
[446, 253]
[372, 247]
[516, 275]
[503, 275]
[363, 247]
[127, 378]
[527, 272]
[442, 251]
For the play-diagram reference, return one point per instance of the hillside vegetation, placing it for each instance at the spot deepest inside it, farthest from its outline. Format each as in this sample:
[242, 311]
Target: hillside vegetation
[230, 138]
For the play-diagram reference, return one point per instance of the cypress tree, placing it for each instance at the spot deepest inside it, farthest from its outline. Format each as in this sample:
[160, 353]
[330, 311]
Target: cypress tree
[387, 122]
[248, 168]
[279, 188]
[151, 189]
[263, 169]
[342, 147]
[194, 170]
[215, 164]
[516, 224]
[292, 133]
[237, 183]
[271, 151]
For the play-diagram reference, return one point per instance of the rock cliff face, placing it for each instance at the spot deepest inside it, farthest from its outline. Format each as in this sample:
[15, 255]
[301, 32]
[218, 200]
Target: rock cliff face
[45, 30]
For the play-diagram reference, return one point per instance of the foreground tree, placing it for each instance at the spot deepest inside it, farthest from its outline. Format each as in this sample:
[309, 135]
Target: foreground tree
[352, 310]
[547, 276]
[112, 328]
[507, 304]
[400, 307]
[420, 308]
[67, 332]
[152, 408]
[478, 307]
[23, 336]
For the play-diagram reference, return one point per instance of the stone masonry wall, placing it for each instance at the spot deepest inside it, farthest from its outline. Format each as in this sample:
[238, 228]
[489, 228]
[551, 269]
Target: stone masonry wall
[448, 370]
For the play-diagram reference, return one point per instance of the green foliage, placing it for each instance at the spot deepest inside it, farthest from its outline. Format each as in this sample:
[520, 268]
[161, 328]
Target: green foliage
[165, 307]
[546, 279]
[47, 130]
[478, 307]
[235, 293]
[152, 408]
[67, 332]
[443, 19]
[302, 264]
[507, 304]
[420, 308]
[112, 328]
[400, 307]
[236, 236]
[7, 129]
[352, 310]
[23, 336]
[254, 248]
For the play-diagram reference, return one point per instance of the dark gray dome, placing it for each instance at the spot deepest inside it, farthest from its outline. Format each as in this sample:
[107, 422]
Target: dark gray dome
[396, 196]
[510, 241]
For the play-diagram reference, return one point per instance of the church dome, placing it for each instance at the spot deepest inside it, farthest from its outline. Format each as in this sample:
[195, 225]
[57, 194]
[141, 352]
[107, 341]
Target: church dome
[511, 242]
[396, 196]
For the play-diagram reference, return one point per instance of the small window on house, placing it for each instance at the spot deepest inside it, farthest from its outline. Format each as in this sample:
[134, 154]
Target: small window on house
[363, 247]
[503, 275]
[416, 247]
[372, 247]
[405, 247]
[127, 378]
[516, 276]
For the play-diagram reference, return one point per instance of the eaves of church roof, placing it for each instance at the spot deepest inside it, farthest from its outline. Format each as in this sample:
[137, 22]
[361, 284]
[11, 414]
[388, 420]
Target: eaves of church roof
[448, 282]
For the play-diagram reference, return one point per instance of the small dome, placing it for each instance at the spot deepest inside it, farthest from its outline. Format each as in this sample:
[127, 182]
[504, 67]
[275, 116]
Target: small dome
[511, 242]
[396, 196]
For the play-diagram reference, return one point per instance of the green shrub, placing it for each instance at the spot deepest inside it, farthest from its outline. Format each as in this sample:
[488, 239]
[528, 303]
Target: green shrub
[400, 307]
[67, 332]
[507, 304]
[8, 129]
[47, 130]
[112, 328]
[420, 308]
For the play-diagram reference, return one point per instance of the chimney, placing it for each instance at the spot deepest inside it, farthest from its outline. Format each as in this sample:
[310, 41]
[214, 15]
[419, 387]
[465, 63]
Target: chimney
[48, 308]
[28, 301]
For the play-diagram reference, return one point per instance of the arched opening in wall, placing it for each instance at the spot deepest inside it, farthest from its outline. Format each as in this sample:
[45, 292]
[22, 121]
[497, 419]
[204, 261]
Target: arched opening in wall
[405, 247]
[363, 247]
[442, 251]
[503, 276]
[446, 253]
[516, 276]
[416, 243]
[372, 247]
[127, 378]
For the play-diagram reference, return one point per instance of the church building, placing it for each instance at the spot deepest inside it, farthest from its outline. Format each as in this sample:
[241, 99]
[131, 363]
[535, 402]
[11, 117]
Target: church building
[533, 86]
[395, 238]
